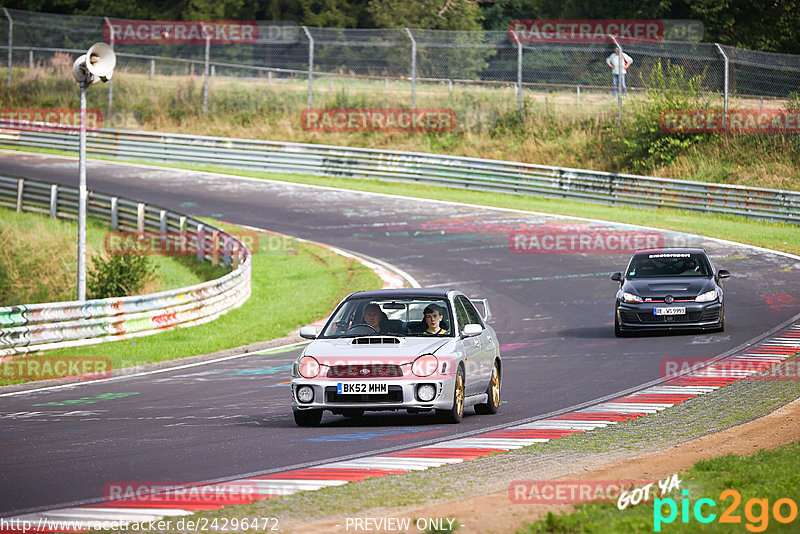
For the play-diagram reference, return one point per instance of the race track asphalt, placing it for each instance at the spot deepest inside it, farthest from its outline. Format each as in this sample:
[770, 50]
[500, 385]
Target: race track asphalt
[552, 312]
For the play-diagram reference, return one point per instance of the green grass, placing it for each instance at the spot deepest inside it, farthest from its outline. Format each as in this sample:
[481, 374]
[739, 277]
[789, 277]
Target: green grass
[768, 474]
[39, 262]
[293, 284]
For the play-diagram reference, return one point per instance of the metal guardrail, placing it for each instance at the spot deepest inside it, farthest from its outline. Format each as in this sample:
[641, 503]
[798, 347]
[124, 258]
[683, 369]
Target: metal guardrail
[35, 327]
[413, 167]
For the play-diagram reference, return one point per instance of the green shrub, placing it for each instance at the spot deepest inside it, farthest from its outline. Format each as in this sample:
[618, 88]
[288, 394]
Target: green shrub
[119, 276]
[641, 142]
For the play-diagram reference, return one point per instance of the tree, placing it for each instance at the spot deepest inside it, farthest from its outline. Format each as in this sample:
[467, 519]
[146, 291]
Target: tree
[429, 14]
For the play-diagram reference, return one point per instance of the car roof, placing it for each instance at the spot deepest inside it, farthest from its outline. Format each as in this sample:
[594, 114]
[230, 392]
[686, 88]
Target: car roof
[413, 292]
[676, 250]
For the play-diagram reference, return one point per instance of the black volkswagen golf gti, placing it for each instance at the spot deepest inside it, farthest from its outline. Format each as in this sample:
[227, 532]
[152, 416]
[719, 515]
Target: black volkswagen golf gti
[669, 289]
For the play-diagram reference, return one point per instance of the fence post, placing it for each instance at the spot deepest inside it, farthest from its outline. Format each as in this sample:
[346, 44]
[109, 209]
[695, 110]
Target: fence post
[115, 213]
[310, 66]
[620, 74]
[519, 76]
[205, 70]
[53, 201]
[152, 69]
[10, 44]
[30, 59]
[578, 90]
[20, 188]
[213, 73]
[413, 69]
[111, 80]
[725, 82]
[269, 78]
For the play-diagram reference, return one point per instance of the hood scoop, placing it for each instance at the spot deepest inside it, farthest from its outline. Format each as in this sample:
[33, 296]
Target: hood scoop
[375, 340]
[669, 286]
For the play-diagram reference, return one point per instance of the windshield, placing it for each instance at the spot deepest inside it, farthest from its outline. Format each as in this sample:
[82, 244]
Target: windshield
[669, 264]
[394, 317]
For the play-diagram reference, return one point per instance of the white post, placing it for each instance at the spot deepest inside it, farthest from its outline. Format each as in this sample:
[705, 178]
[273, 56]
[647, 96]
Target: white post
[30, 58]
[20, 189]
[53, 201]
[82, 196]
[152, 69]
[413, 69]
[115, 213]
[110, 81]
[205, 70]
[140, 218]
[519, 76]
[725, 88]
[620, 74]
[10, 43]
[578, 90]
[310, 66]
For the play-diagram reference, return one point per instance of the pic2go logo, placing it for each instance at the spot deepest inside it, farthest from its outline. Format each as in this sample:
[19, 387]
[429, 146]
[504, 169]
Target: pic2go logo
[756, 511]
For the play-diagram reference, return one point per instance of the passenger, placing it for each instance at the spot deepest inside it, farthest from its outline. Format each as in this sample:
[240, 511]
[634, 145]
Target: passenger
[433, 318]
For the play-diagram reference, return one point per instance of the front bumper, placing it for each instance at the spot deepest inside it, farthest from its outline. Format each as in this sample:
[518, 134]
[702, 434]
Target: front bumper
[402, 395]
[698, 316]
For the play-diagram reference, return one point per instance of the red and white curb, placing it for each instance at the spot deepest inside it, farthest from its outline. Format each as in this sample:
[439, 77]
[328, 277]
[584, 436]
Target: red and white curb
[762, 356]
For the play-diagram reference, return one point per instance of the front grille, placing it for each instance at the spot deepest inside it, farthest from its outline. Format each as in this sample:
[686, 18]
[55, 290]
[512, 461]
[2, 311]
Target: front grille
[365, 371]
[649, 318]
[395, 395]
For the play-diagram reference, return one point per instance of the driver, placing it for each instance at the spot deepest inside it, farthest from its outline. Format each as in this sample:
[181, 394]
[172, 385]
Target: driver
[374, 316]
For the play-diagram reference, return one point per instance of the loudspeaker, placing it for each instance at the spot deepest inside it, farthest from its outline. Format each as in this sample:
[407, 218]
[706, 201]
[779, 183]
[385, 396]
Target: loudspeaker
[101, 60]
[96, 64]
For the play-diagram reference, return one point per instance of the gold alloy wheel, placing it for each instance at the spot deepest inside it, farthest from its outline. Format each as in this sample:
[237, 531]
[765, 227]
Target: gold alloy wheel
[459, 393]
[495, 386]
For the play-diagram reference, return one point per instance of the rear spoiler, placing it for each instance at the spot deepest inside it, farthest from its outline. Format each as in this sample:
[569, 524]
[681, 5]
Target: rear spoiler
[483, 308]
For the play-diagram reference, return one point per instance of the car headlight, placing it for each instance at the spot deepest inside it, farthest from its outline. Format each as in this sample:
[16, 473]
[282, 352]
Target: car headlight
[630, 297]
[308, 367]
[708, 296]
[425, 365]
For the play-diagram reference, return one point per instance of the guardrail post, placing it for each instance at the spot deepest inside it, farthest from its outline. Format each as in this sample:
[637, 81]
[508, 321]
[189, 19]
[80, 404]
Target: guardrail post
[226, 250]
[115, 213]
[162, 224]
[310, 66]
[200, 243]
[140, 218]
[20, 187]
[111, 80]
[10, 44]
[413, 69]
[214, 248]
[53, 201]
[182, 224]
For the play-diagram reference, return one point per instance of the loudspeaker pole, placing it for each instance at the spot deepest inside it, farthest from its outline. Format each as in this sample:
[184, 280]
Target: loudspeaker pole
[82, 197]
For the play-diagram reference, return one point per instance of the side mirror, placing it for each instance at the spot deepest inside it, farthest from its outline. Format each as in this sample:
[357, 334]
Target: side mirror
[722, 273]
[471, 330]
[308, 332]
[617, 277]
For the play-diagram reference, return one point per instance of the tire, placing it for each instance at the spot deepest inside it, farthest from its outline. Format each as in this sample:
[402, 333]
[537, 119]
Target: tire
[456, 413]
[617, 331]
[493, 392]
[307, 417]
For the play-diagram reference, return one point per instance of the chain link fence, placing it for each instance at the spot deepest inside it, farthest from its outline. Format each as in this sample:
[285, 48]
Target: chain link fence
[480, 74]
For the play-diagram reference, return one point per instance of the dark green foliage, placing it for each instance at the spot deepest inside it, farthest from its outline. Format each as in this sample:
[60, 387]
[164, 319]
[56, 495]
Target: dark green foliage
[119, 276]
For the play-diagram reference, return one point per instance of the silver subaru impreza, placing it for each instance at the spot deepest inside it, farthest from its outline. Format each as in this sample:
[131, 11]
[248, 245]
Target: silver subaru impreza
[399, 349]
